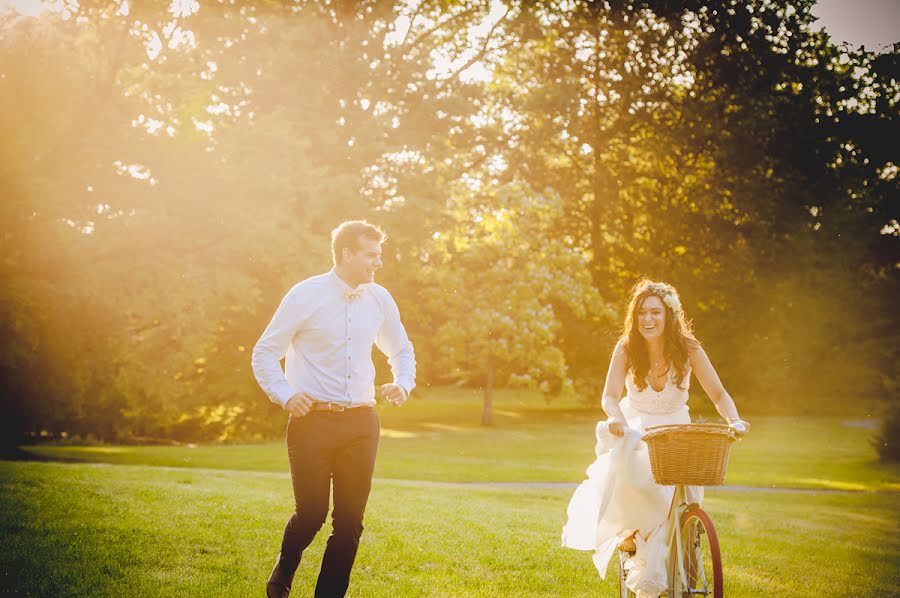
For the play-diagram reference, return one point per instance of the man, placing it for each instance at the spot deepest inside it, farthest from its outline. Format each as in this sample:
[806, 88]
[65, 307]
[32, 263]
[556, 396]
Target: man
[324, 329]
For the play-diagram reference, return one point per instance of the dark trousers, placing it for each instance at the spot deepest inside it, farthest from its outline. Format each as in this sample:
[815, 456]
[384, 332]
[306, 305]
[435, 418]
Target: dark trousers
[328, 448]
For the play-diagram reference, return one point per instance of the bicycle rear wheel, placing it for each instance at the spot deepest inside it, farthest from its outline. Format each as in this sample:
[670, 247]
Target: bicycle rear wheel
[700, 555]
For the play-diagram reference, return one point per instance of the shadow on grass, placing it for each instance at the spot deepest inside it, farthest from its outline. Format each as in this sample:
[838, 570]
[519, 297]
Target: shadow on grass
[21, 453]
[57, 454]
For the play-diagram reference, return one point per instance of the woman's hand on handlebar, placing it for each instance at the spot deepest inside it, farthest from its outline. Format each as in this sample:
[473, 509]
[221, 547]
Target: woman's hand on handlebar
[739, 426]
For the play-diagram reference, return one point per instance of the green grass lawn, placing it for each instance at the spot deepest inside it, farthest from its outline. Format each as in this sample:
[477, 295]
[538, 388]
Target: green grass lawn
[206, 520]
[112, 530]
[440, 439]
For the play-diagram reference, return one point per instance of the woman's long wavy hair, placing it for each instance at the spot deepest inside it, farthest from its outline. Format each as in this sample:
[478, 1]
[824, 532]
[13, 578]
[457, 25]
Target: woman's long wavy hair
[678, 337]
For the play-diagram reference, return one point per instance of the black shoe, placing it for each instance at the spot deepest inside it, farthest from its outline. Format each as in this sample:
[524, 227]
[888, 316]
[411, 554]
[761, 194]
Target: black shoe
[279, 584]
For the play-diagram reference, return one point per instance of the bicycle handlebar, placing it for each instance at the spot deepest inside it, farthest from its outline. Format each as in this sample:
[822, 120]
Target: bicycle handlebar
[739, 426]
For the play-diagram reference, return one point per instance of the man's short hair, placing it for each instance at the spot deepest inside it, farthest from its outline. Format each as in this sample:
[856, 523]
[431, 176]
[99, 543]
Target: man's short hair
[347, 234]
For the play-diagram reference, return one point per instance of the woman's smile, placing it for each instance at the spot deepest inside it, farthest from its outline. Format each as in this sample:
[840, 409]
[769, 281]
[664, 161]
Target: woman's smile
[652, 317]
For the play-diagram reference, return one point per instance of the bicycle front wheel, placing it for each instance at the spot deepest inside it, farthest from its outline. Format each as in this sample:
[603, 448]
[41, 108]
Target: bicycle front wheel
[700, 556]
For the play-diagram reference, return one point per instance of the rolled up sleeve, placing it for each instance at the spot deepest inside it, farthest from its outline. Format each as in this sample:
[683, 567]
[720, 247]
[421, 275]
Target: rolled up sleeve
[393, 341]
[273, 345]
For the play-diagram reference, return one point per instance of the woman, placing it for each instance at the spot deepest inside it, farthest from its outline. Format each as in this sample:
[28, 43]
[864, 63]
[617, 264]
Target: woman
[620, 503]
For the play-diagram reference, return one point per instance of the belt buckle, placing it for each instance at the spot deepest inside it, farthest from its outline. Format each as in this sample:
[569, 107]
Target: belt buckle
[335, 407]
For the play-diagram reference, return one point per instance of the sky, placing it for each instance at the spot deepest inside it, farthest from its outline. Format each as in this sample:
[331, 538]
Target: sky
[872, 23]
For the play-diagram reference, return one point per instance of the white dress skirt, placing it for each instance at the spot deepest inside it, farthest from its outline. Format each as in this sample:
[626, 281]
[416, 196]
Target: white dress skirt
[620, 496]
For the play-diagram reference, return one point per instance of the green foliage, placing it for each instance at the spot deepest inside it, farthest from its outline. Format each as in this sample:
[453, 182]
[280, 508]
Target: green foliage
[496, 280]
[153, 219]
[158, 215]
[709, 146]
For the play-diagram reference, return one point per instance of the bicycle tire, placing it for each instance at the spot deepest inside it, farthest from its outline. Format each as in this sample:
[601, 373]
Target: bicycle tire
[700, 545]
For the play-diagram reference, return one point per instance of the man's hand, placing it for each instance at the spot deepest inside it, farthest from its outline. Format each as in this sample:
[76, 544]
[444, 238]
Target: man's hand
[299, 404]
[616, 428]
[394, 393]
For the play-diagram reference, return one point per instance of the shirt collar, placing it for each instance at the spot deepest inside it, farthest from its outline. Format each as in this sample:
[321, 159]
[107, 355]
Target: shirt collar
[342, 285]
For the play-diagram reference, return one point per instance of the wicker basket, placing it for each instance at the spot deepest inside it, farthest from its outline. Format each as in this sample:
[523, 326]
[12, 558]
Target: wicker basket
[693, 454]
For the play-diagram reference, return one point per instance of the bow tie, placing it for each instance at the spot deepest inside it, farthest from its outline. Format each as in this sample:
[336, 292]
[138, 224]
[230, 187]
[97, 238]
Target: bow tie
[351, 295]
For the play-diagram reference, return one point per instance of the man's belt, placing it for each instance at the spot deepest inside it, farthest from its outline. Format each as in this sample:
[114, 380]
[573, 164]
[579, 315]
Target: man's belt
[335, 407]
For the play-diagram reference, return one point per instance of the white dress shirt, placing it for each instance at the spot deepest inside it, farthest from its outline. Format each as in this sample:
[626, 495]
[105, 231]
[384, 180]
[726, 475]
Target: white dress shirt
[325, 337]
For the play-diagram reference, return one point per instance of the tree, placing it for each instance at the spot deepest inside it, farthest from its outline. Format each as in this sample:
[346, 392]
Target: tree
[697, 142]
[192, 175]
[498, 280]
[177, 168]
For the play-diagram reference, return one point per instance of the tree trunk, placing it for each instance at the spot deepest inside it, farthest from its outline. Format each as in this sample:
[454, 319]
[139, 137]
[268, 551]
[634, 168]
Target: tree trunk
[487, 414]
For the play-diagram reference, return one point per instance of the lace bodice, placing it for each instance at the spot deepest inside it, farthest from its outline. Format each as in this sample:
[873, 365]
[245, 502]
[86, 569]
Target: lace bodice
[668, 400]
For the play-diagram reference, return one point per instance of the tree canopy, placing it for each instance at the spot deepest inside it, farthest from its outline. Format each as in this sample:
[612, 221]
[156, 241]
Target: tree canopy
[168, 171]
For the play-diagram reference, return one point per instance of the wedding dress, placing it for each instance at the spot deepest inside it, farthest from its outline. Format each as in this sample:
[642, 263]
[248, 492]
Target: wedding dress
[620, 495]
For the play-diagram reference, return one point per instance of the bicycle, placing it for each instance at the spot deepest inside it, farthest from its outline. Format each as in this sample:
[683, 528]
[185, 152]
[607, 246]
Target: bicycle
[688, 455]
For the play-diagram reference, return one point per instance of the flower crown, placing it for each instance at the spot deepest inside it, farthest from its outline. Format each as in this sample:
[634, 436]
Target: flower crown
[667, 293]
